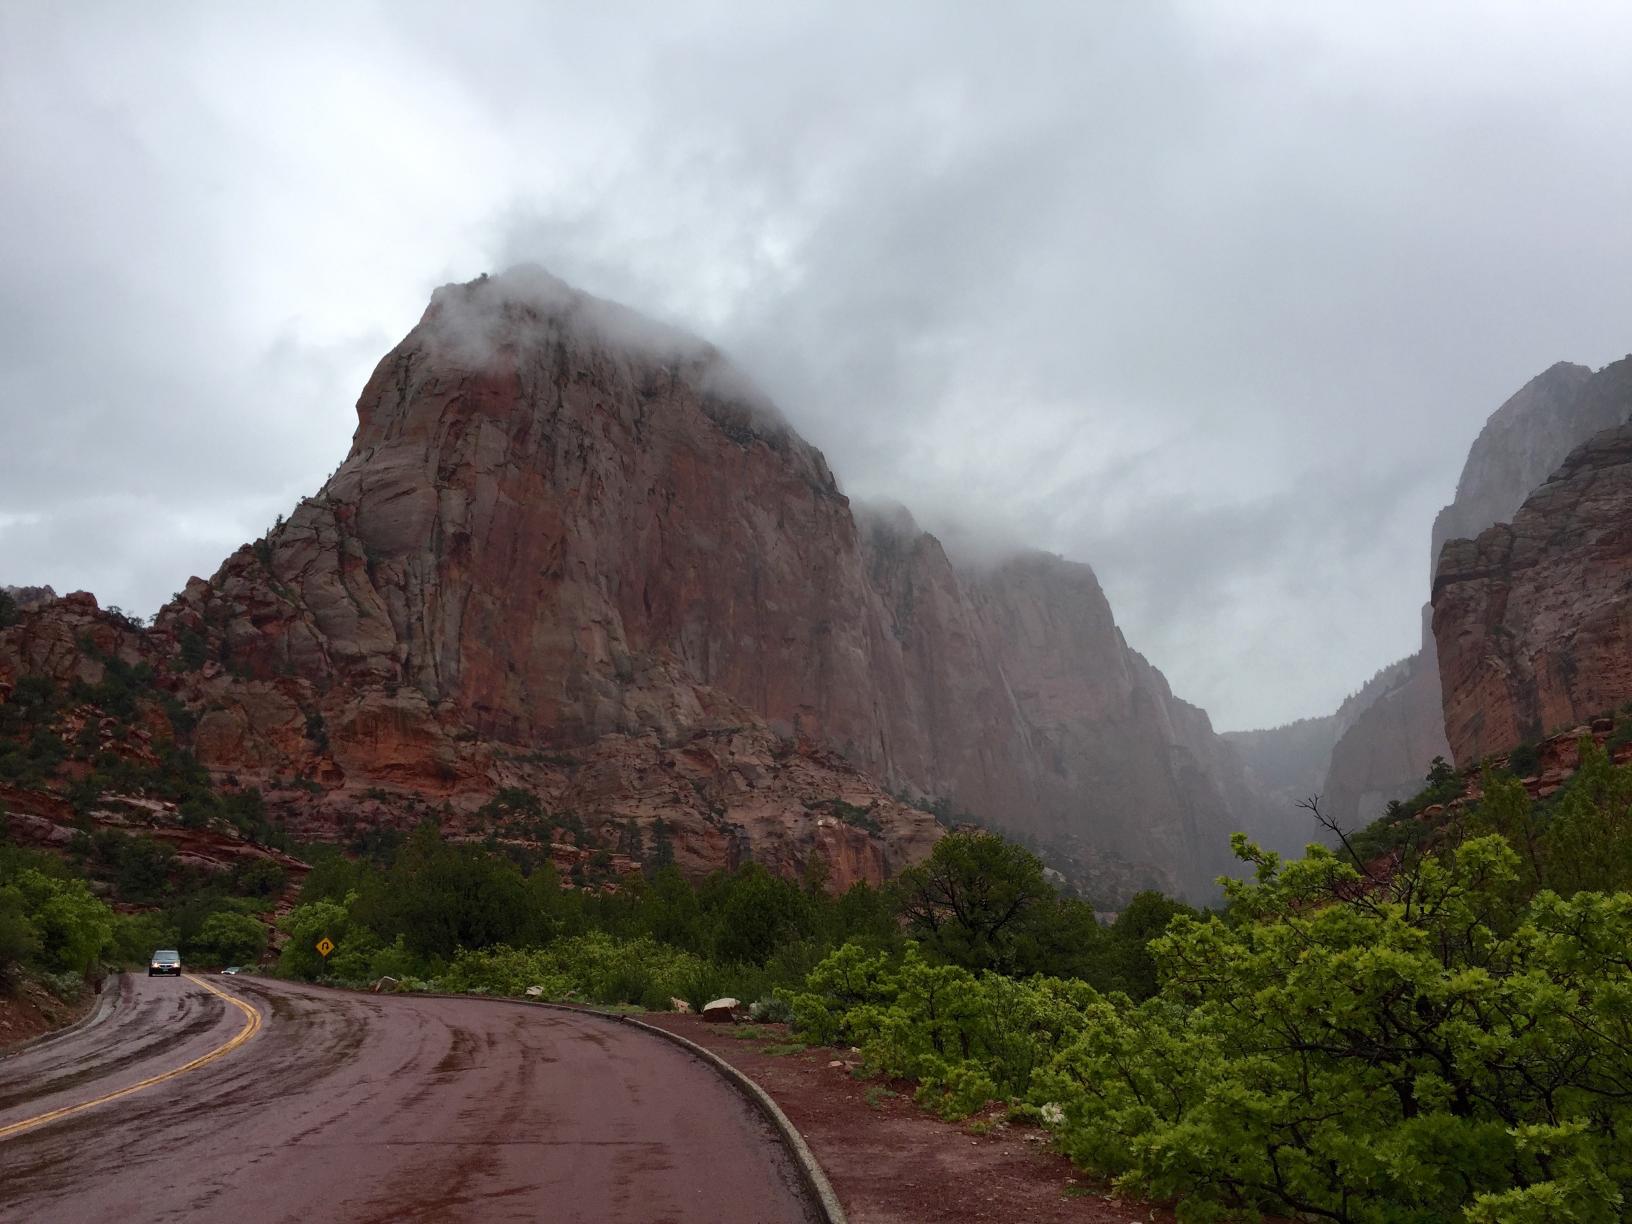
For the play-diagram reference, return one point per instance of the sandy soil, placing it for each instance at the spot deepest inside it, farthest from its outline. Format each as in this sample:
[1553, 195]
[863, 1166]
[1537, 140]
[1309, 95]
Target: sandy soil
[892, 1162]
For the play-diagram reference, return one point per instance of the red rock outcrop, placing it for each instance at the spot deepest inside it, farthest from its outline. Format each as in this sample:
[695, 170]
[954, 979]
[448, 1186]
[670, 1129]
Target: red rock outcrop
[1533, 619]
[565, 534]
[1388, 735]
[1520, 445]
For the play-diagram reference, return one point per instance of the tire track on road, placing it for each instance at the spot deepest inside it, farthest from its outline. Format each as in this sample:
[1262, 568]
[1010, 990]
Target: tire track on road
[252, 1025]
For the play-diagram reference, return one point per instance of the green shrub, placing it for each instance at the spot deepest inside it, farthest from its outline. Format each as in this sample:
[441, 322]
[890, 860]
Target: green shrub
[229, 939]
[74, 929]
[1524, 761]
[137, 936]
[19, 940]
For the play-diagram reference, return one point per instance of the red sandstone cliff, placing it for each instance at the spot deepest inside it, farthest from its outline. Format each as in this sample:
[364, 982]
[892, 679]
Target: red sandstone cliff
[1384, 747]
[571, 551]
[1533, 619]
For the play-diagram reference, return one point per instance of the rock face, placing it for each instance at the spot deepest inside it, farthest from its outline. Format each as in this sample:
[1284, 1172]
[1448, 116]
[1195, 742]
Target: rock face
[574, 553]
[1533, 618]
[1521, 445]
[1291, 763]
[29, 596]
[1385, 747]
[1387, 751]
[1121, 765]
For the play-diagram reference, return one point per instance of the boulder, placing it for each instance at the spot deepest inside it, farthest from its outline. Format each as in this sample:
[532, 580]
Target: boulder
[534, 992]
[722, 1011]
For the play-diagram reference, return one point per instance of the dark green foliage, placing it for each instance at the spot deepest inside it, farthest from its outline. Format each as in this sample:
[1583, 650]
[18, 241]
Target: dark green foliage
[194, 649]
[121, 688]
[852, 814]
[1524, 761]
[1446, 1040]
[258, 878]
[8, 611]
[317, 731]
[440, 898]
[974, 901]
[139, 867]
[1146, 917]
[227, 938]
[29, 751]
[757, 913]
[662, 847]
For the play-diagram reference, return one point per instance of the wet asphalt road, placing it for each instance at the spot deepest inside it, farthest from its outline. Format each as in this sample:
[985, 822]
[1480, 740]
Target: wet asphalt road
[345, 1107]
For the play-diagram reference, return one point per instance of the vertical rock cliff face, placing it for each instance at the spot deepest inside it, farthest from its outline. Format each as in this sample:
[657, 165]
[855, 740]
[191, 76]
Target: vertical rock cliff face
[1120, 761]
[565, 534]
[1292, 762]
[1386, 753]
[1521, 445]
[1533, 618]
[1385, 748]
[946, 699]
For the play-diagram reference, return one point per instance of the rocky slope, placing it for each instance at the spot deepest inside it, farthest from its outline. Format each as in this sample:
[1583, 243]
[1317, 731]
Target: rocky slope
[1533, 618]
[571, 552]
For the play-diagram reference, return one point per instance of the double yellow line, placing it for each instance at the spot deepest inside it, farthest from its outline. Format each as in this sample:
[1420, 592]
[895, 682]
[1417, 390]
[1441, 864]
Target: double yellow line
[252, 1025]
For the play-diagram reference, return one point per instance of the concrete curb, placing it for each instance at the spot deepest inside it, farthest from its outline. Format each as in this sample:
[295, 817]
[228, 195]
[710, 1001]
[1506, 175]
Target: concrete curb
[810, 1169]
[106, 997]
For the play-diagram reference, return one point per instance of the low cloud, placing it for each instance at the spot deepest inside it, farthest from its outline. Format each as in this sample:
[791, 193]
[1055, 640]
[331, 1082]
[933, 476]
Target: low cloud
[1213, 298]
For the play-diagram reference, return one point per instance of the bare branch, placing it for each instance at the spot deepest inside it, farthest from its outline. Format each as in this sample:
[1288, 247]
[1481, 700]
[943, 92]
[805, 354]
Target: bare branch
[1329, 823]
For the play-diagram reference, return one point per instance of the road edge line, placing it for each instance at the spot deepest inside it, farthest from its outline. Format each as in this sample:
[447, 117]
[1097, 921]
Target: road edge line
[107, 996]
[810, 1169]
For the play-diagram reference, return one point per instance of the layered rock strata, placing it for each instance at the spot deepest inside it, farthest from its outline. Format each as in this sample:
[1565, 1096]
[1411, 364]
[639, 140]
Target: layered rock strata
[573, 552]
[1533, 618]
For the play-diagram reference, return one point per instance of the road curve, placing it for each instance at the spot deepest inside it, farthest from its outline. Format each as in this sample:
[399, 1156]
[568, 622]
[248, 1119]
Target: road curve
[346, 1107]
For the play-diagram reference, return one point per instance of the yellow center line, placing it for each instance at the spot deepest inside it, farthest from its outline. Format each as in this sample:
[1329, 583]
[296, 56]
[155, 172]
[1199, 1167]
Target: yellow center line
[252, 1025]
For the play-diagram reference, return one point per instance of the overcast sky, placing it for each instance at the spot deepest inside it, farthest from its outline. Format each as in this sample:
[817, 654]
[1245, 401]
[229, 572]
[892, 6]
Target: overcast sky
[1211, 296]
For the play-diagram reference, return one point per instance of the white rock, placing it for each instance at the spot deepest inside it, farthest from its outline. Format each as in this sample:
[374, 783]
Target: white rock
[722, 1011]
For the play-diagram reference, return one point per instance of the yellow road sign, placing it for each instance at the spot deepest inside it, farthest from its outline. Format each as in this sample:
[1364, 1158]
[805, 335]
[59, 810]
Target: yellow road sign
[325, 946]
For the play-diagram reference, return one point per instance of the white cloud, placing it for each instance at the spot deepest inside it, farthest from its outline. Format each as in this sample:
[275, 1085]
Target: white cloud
[1213, 297]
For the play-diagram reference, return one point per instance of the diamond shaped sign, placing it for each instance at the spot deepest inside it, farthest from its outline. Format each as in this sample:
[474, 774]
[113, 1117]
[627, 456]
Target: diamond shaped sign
[325, 946]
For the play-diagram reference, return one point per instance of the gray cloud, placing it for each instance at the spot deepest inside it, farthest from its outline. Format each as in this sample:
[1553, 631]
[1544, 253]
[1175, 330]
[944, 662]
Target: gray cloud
[1212, 297]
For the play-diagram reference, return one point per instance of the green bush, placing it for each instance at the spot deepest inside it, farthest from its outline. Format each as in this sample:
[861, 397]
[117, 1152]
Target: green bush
[72, 928]
[229, 939]
[1445, 1044]
[137, 936]
[19, 940]
[317, 920]
[596, 966]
